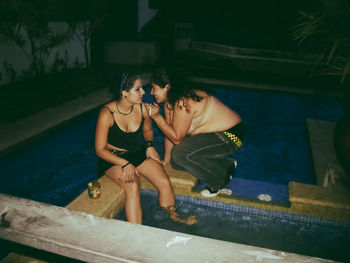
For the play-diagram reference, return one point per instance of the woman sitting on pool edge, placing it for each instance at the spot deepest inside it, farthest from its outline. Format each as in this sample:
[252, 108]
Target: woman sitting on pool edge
[200, 131]
[122, 155]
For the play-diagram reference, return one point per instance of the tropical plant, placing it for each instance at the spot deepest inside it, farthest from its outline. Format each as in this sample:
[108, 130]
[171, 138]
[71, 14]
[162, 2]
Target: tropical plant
[85, 40]
[84, 21]
[10, 70]
[83, 33]
[30, 31]
[327, 31]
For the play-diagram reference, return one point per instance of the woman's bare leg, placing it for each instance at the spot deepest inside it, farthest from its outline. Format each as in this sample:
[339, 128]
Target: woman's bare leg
[154, 172]
[133, 209]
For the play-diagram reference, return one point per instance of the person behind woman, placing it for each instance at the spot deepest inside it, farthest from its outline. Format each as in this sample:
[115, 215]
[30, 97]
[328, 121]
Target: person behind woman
[200, 131]
[119, 145]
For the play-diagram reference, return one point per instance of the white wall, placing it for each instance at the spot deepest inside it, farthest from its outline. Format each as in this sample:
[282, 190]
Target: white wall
[144, 14]
[20, 62]
[131, 53]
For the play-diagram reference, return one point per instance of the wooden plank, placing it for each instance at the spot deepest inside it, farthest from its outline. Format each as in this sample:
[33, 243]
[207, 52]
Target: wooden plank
[94, 239]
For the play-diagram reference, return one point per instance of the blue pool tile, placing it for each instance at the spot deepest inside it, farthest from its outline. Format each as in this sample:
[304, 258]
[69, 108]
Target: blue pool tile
[253, 189]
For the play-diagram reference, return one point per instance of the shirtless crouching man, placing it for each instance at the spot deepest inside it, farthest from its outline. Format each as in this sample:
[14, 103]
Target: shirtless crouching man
[200, 131]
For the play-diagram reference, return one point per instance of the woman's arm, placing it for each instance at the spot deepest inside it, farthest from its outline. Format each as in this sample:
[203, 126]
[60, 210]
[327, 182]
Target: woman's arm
[168, 145]
[148, 135]
[104, 122]
[180, 125]
[147, 128]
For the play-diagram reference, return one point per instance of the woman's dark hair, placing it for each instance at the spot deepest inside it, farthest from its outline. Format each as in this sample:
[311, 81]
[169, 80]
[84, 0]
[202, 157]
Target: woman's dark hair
[179, 85]
[123, 82]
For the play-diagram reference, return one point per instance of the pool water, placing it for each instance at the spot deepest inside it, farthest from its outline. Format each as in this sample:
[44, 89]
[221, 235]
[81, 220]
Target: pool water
[57, 167]
[257, 227]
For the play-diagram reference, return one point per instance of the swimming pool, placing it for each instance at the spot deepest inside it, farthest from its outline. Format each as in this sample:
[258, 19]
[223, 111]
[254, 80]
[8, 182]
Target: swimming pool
[55, 168]
[276, 146]
[252, 226]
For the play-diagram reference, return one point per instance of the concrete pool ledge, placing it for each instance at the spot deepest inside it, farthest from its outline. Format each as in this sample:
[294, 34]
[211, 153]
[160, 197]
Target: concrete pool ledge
[111, 201]
[304, 199]
[330, 197]
[317, 201]
[108, 205]
[95, 239]
[182, 182]
[23, 130]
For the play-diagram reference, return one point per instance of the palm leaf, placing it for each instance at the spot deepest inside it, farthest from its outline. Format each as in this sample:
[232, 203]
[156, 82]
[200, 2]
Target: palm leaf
[11, 33]
[333, 50]
[327, 27]
[346, 70]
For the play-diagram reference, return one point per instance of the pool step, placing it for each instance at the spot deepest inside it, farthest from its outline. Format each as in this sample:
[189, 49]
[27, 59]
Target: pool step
[182, 181]
[329, 198]
[321, 134]
[112, 197]
[264, 191]
[318, 201]
[109, 204]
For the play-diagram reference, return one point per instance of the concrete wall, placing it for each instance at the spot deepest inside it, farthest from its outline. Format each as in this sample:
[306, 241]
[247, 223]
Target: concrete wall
[183, 36]
[131, 53]
[256, 60]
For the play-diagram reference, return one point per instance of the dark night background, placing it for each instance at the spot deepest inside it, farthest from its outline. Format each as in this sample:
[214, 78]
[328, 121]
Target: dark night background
[249, 24]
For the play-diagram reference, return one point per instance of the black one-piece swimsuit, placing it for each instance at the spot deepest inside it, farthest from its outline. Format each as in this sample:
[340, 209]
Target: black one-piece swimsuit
[131, 141]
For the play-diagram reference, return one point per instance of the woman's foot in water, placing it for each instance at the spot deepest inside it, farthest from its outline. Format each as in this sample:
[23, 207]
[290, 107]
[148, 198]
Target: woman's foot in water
[180, 218]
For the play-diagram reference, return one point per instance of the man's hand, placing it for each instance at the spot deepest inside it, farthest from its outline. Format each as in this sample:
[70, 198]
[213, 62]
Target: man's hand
[151, 152]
